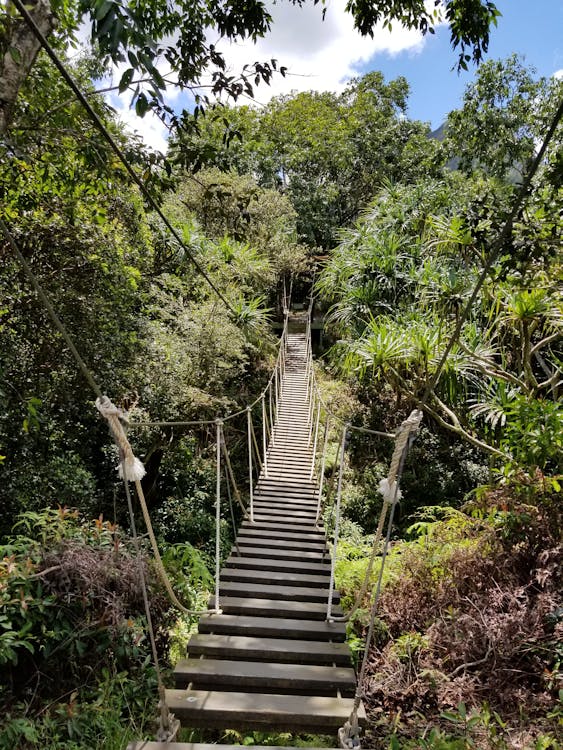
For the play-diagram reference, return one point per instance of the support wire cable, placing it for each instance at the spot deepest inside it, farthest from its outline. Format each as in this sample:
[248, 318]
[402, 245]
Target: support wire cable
[57, 322]
[168, 724]
[69, 80]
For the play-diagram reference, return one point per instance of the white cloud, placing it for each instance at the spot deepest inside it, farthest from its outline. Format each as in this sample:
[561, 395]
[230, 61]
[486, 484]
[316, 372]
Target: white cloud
[319, 55]
[558, 73]
[149, 127]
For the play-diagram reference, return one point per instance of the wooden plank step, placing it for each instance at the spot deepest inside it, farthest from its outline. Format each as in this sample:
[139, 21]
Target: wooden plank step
[289, 503]
[301, 480]
[279, 474]
[302, 630]
[252, 648]
[290, 713]
[294, 528]
[284, 456]
[278, 608]
[275, 591]
[275, 489]
[271, 553]
[253, 541]
[284, 577]
[290, 460]
[286, 521]
[288, 483]
[273, 677]
[308, 502]
[277, 509]
[265, 563]
[249, 530]
[281, 470]
[289, 496]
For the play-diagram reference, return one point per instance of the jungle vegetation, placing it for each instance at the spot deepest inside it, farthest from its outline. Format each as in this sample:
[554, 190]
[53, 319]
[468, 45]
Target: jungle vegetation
[347, 196]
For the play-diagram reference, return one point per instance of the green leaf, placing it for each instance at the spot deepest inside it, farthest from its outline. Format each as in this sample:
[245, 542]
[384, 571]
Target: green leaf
[141, 105]
[15, 54]
[126, 79]
[103, 9]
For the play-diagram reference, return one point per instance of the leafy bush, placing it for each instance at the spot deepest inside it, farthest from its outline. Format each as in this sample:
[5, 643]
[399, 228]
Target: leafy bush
[76, 662]
[469, 624]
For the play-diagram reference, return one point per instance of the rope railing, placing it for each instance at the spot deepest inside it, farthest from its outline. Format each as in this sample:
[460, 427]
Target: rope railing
[389, 488]
[132, 470]
[317, 409]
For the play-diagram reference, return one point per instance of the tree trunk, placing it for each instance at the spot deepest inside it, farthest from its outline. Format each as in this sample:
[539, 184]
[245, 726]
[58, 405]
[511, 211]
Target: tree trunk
[18, 50]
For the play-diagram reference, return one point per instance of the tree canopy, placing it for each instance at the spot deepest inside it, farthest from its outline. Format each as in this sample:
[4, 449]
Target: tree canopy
[163, 44]
[327, 152]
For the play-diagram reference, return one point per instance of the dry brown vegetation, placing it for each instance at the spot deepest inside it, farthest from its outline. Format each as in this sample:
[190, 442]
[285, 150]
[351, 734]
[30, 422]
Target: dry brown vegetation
[474, 617]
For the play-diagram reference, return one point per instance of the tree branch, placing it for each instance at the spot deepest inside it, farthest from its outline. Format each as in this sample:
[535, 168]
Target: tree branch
[547, 340]
[458, 430]
[456, 426]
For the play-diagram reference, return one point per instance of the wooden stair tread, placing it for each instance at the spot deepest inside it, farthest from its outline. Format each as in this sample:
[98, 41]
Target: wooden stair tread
[271, 576]
[292, 502]
[269, 649]
[274, 509]
[273, 553]
[254, 530]
[314, 630]
[275, 608]
[284, 520]
[210, 708]
[257, 674]
[312, 545]
[288, 528]
[265, 563]
[275, 591]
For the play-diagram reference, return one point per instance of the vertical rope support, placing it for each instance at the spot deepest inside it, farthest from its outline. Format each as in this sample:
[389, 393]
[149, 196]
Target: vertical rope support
[255, 444]
[323, 463]
[219, 433]
[271, 411]
[336, 523]
[250, 476]
[276, 386]
[283, 349]
[229, 474]
[264, 439]
[164, 725]
[315, 439]
[311, 400]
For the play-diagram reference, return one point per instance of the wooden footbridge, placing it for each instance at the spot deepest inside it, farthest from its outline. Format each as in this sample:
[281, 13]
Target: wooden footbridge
[270, 660]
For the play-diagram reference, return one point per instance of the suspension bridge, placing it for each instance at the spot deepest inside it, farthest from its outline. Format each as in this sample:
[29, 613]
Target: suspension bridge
[270, 653]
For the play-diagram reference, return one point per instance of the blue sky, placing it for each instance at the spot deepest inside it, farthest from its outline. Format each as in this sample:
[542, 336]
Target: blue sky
[531, 28]
[325, 55]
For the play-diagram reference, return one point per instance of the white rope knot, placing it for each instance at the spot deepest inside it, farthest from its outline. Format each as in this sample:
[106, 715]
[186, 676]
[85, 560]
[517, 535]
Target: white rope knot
[389, 487]
[349, 736]
[168, 725]
[130, 468]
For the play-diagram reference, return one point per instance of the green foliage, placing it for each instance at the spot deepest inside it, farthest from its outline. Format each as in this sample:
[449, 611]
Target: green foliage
[73, 625]
[534, 433]
[469, 22]
[327, 152]
[228, 204]
[505, 111]
[394, 310]
[73, 618]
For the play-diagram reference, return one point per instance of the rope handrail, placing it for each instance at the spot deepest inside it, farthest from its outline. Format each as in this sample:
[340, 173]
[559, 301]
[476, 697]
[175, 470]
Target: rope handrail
[230, 416]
